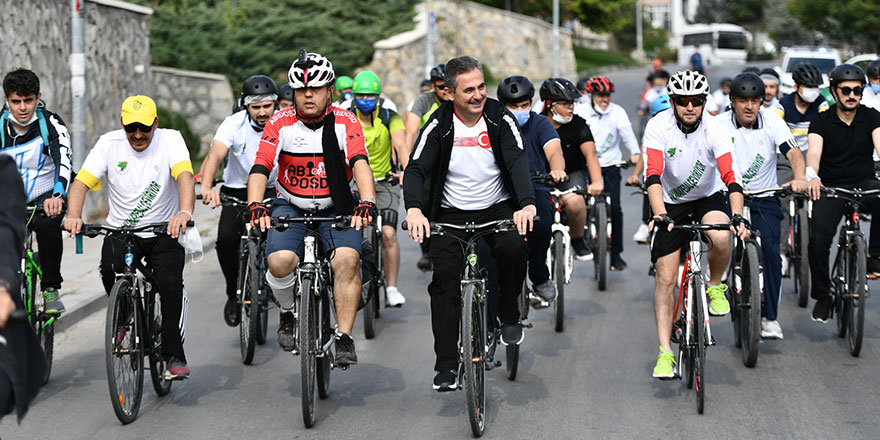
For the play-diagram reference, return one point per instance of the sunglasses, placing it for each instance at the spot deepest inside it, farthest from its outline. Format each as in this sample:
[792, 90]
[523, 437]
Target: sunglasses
[847, 90]
[683, 101]
[440, 86]
[137, 126]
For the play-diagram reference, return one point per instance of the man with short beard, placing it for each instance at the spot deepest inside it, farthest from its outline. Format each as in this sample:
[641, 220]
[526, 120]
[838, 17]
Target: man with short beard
[771, 87]
[851, 132]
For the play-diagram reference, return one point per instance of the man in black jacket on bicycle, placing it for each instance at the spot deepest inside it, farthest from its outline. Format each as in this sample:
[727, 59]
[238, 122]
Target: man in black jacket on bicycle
[472, 151]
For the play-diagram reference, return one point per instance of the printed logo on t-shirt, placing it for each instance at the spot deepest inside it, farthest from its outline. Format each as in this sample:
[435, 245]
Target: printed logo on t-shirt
[305, 175]
[144, 204]
[690, 183]
[753, 169]
[122, 167]
[481, 140]
[670, 153]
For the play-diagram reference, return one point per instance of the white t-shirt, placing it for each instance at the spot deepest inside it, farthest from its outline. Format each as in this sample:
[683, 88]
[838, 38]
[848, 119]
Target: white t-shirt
[720, 101]
[473, 181]
[142, 185]
[609, 131]
[243, 142]
[756, 147]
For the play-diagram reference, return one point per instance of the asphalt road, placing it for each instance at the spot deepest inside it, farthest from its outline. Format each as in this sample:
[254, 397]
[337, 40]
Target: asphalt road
[592, 381]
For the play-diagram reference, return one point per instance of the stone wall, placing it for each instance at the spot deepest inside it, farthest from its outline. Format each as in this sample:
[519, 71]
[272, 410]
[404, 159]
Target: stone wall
[203, 98]
[36, 35]
[505, 42]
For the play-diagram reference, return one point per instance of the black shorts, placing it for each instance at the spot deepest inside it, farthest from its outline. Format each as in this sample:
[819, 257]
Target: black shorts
[665, 242]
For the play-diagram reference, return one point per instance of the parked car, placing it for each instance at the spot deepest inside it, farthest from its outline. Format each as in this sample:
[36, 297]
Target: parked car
[823, 58]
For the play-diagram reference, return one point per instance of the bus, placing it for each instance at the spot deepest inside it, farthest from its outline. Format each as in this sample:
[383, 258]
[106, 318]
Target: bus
[718, 43]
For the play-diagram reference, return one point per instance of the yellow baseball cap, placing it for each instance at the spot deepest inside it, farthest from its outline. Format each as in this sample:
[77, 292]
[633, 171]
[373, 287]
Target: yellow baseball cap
[138, 108]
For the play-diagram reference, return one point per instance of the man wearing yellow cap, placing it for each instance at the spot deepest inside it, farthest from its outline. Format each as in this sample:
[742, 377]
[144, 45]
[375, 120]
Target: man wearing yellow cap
[150, 179]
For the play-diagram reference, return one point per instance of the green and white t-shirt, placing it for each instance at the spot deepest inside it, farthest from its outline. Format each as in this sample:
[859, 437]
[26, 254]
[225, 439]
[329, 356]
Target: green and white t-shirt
[142, 185]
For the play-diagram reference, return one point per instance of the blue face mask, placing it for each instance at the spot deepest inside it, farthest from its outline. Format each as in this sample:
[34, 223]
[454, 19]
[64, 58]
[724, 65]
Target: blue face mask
[522, 116]
[365, 105]
[876, 88]
[347, 95]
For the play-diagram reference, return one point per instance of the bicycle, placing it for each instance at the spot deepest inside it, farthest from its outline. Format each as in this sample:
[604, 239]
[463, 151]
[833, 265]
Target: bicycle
[599, 233]
[849, 281]
[377, 284]
[798, 242]
[252, 291]
[313, 307]
[134, 325]
[473, 332]
[32, 296]
[691, 329]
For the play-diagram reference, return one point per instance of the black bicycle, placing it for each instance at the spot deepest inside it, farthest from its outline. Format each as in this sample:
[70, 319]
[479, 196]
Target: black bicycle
[134, 325]
[599, 235]
[849, 281]
[798, 242]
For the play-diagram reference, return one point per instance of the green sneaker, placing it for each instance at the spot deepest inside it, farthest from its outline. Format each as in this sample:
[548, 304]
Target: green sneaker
[665, 368]
[52, 302]
[718, 305]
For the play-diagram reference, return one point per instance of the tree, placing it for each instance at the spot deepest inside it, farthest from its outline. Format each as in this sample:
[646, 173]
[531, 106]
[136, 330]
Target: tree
[852, 21]
[711, 11]
[605, 15]
[784, 28]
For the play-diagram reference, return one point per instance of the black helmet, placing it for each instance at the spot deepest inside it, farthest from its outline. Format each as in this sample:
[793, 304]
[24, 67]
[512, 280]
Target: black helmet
[806, 74]
[874, 69]
[726, 81]
[437, 72]
[558, 89]
[515, 89]
[258, 85]
[582, 83]
[747, 85]
[285, 92]
[846, 72]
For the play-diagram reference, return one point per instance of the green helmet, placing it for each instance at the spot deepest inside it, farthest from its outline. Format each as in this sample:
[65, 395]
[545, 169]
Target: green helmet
[367, 83]
[343, 82]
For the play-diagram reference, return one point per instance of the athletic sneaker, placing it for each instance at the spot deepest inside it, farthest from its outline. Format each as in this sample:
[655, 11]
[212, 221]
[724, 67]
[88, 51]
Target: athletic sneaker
[718, 305]
[822, 309]
[784, 265]
[546, 290]
[176, 369]
[345, 354]
[53, 303]
[446, 380]
[770, 329]
[581, 250]
[393, 297]
[642, 235]
[424, 263]
[873, 265]
[231, 312]
[617, 263]
[512, 334]
[665, 368]
[286, 334]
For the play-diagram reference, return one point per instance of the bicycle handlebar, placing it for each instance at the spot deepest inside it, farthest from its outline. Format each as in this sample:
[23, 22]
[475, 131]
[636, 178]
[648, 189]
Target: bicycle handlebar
[228, 200]
[282, 223]
[92, 230]
[471, 227]
[854, 193]
[547, 179]
[703, 227]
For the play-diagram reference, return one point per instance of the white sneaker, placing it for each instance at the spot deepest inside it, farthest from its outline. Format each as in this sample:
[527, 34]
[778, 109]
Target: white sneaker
[784, 266]
[642, 235]
[770, 329]
[393, 297]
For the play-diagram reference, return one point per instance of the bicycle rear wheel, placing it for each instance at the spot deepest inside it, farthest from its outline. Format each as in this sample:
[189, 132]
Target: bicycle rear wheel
[734, 294]
[855, 298]
[749, 318]
[802, 268]
[700, 343]
[308, 349]
[157, 360]
[123, 352]
[513, 350]
[558, 268]
[248, 283]
[840, 306]
[370, 310]
[600, 229]
[473, 334]
[323, 363]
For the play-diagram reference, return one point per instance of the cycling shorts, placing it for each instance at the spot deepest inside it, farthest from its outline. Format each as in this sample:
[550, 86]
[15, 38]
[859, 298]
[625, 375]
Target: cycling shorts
[292, 239]
[665, 242]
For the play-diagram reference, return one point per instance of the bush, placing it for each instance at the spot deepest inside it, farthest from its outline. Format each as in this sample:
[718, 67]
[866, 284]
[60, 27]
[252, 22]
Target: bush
[667, 55]
[176, 121]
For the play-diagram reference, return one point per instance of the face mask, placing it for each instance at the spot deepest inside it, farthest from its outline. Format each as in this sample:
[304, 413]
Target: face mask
[560, 119]
[347, 95]
[191, 241]
[600, 111]
[522, 116]
[809, 94]
[876, 88]
[255, 126]
[365, 105]
[772, 102]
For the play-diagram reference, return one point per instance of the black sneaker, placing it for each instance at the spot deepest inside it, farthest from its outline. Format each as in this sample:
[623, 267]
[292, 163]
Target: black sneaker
[822, 309]
[873, 266]
[581, 250]
[546, 290]
[651, 270]
[345, 354]
[446, 380]
[512, 334]
[617, 263]
[424, 263]
[231, 312]
[286, 334]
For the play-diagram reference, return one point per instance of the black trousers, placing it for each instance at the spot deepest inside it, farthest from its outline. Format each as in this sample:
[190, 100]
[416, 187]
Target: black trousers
[447, 255]
[539, 238]
[166, 257]
[611, 182]
[823, 226]
[49, 243]
[229, 232]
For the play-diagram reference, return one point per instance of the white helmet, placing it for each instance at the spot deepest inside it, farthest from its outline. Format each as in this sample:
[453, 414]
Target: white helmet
[310, 70]
[687, 83]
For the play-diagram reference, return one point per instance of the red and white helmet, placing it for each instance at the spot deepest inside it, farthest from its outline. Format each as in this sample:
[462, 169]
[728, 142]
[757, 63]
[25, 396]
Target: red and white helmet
[600, 84]
[310, 70]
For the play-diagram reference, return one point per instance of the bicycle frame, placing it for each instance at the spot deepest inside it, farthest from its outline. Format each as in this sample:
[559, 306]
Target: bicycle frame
[604, 199]
[693, 269]
[558, 226]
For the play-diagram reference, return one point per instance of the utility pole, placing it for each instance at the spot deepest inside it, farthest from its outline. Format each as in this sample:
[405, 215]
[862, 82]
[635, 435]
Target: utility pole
[640, 48]
[78, 89]
[556, 38]
[429, 39]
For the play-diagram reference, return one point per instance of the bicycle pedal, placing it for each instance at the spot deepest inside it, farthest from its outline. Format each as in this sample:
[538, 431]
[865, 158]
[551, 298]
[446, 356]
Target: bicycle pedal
[712, 341]
[873, 276]
[527, 325]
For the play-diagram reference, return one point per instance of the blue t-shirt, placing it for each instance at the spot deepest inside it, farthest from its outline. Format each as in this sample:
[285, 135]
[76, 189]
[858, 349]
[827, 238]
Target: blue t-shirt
[537, 132]
[697, 61]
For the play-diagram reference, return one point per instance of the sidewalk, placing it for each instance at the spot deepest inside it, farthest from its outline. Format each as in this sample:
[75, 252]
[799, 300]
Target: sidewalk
[82, 291]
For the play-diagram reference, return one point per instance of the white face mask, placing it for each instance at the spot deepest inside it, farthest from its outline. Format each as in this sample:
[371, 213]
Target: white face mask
[191, 241]
[600, 110]
[809, 94]
[560, 119]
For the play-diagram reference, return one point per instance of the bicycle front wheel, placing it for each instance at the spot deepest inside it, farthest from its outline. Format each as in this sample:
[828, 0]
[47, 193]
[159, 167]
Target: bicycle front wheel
[308, 349]
[750, 315]
[600, 229]
[559, 276]
[473, 334]
[700, 343]
[248, 285]
[855, 298]
[124, 354]
[157, 361]
[802, 268]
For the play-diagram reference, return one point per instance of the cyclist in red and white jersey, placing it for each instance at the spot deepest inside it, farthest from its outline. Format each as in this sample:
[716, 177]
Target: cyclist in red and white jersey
[681, 174]
[317, 149]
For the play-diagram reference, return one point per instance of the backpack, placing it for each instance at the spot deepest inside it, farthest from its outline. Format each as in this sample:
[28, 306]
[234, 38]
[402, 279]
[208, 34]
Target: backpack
[41, 119]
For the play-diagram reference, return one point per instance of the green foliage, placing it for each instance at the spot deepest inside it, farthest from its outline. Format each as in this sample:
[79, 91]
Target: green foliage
[740, 12]
[240, 38]
[589, 60]
[605, 15]
[536, 8]
[783, 27]
[853, 21]
[176, 121]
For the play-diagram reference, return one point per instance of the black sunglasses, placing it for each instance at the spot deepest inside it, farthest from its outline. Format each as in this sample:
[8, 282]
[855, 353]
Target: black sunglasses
[683, 101]
[440, 86]
[847, 90]
[135, 126]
